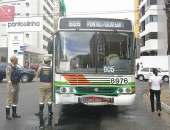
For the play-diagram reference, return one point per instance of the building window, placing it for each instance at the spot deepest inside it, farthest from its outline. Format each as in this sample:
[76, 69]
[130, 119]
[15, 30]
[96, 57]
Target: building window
[47, 12]
[52, 1]
[167, 1]
[143, 41]
[151, 18]
[149, 53]
[3, 59]
[45, 38]
[27, 14]
[27, 4]
[153, 2]
[151, 35]
[18, 14]
[44, 47]
[143, 11]
[15, 38]
[153, 53]
[47, 30]
[27, 35]
[143, 26]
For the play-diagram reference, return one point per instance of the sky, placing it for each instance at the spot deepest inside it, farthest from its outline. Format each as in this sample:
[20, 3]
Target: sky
[101, 8]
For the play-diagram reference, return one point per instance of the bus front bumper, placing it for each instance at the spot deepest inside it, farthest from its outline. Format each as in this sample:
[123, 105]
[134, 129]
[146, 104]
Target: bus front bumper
[95, 99]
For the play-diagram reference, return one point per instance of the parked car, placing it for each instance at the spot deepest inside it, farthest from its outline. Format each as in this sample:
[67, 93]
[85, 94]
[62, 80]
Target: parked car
[27, 75]
[2, 71]
[145, 73]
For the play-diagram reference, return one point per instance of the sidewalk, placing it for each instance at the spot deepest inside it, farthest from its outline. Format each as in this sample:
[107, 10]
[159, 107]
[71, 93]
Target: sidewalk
[165, 97]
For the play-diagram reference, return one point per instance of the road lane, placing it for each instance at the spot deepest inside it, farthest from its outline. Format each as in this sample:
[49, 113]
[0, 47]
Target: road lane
[81, 117]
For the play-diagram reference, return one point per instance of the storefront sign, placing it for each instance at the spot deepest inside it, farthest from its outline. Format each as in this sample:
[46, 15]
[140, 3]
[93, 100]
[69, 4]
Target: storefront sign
[33, 24]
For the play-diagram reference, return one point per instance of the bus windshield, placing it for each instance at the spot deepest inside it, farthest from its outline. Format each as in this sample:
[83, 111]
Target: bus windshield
[93, 52]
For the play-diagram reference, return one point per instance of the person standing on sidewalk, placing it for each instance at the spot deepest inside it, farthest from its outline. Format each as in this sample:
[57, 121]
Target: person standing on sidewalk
[13, 77]
[155, 83]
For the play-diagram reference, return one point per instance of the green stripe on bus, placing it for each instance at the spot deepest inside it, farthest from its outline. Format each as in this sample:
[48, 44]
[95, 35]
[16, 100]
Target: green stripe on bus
[101, 84]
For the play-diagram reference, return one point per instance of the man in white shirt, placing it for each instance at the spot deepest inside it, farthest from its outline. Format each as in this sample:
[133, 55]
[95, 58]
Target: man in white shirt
[155, 83]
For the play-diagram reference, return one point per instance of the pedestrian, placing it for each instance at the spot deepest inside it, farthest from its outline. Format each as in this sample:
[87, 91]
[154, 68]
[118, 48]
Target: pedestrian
[155, 83]
[26, 65]
[45, 88]
[141, 66]
[137, 68]
[13, 77]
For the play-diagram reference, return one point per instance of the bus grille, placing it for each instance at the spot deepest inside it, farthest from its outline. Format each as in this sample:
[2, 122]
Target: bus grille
[96, 90]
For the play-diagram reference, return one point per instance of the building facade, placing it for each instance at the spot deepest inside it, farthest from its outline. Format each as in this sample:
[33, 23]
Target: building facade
[28, 35]
[167, 7]
[137, 18]
[153, 28]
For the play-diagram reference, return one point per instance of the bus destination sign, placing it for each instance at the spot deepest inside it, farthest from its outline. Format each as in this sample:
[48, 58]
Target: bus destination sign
[95, 23]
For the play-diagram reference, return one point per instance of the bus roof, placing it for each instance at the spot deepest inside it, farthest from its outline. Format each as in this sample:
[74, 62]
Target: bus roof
[70, 23]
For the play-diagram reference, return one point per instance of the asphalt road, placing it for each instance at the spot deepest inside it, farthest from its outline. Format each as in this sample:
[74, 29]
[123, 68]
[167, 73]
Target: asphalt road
[80, 117]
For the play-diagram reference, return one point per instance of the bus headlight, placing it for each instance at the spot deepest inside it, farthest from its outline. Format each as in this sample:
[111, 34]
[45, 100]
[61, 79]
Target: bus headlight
[127, 90]
[72, 90]
[124, 90]
[67, 90]
[63, 90]
[120, 90]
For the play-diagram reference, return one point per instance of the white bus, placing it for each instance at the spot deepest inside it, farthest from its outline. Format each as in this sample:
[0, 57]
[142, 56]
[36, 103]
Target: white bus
[93, 61]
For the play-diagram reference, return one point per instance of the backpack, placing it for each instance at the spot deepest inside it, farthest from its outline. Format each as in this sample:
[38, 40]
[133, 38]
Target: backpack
[15, 74]
[45, 74]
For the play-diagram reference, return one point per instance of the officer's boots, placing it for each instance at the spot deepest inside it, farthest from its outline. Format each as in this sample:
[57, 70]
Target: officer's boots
[50, 115]
[8, 117]
[14, 112]
[50, 112]
[40, 114]
[41, 109]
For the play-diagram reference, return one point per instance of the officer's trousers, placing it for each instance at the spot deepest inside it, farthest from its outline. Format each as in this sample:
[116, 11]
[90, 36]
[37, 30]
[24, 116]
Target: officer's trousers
[12, 93]
[45, 92]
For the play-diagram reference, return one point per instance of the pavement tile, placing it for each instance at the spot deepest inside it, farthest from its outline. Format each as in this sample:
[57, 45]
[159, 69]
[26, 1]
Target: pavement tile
[165, 96]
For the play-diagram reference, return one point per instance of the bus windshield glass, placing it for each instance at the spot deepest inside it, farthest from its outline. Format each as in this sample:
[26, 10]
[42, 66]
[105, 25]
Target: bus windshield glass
[93, 52]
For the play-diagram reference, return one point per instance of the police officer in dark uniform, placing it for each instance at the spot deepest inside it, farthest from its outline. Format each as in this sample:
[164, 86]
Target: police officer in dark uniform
[45, 88]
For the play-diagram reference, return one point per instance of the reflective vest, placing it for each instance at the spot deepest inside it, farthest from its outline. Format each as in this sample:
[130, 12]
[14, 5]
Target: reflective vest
[45, 74]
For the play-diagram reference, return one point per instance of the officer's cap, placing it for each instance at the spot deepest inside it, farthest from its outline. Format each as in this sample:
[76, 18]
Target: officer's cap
[47, 59]
[13, 58]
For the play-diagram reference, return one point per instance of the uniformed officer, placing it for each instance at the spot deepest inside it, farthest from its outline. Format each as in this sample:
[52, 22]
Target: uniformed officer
[13, 79]
[45, 89]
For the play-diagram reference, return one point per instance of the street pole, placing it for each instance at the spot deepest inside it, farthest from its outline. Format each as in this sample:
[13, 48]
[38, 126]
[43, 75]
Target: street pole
[53, 67]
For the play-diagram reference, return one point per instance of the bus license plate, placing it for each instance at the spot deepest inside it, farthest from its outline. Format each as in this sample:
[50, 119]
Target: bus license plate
[120, 80]
[96, 99]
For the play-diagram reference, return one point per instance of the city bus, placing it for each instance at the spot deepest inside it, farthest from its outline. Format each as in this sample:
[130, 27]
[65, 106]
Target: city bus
[93, 61]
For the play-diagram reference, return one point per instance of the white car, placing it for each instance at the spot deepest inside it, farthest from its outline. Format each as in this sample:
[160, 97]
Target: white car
[145, 73]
